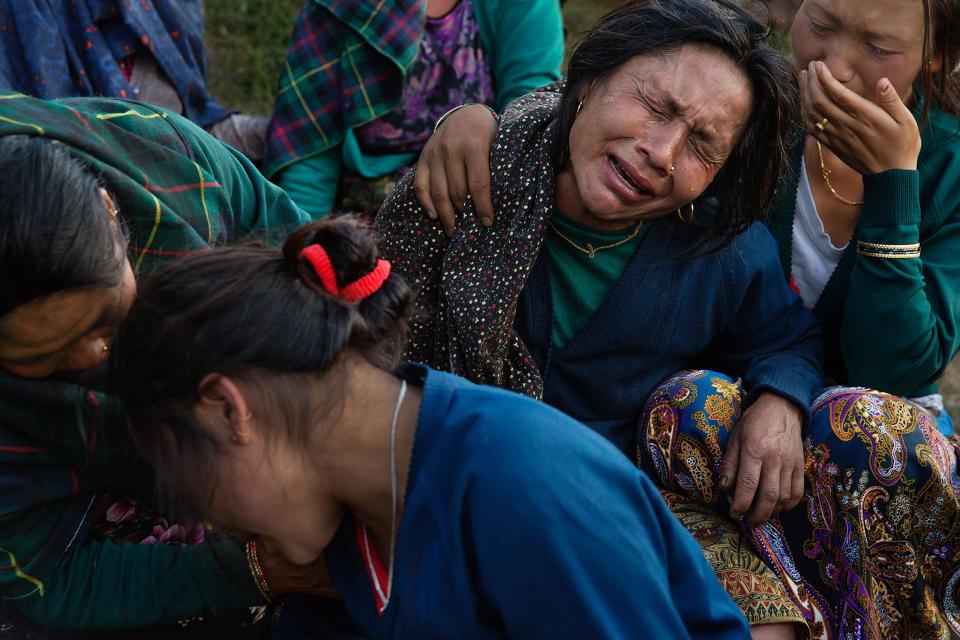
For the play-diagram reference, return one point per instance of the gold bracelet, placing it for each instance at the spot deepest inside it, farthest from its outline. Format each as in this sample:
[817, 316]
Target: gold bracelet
[253, 561]
[895, 247]
[890, 256]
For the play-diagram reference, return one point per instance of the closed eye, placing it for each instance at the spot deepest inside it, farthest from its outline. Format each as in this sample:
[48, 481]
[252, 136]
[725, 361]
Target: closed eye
[877, 51]
[817, 27]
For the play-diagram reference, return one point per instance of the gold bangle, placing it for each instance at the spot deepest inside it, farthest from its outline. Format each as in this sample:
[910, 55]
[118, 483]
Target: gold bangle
[895, 247]
[259, 579]
[890, 256]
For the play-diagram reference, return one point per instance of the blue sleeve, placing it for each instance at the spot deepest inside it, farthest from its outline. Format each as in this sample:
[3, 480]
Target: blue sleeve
[524, 39]
[772, 342]
[312, 182]
[577, 543]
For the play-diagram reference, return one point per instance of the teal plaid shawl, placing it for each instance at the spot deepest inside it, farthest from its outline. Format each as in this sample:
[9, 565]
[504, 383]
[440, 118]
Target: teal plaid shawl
[178, 191]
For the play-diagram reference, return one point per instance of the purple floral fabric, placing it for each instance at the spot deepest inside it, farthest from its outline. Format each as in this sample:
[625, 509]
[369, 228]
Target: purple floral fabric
[451, 69]
[129, 521]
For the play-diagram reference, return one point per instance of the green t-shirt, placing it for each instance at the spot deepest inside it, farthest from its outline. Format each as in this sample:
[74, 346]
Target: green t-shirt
[580, 283]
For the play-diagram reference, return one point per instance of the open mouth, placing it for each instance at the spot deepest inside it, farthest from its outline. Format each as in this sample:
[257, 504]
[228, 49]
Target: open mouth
[627, 179]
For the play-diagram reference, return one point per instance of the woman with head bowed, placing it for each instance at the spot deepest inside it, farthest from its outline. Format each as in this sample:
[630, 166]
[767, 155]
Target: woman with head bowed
[93, 194]
[265, 388]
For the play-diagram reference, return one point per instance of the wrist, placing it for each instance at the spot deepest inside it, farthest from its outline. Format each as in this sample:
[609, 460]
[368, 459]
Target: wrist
[449, 113]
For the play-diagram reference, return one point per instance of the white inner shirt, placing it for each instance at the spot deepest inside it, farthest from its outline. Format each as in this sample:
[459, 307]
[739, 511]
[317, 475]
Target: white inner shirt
[814, 256]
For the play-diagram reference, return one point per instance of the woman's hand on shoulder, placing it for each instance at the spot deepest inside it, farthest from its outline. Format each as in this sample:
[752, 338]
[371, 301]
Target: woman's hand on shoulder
[455, 163]
[868, 136]
[762, 468]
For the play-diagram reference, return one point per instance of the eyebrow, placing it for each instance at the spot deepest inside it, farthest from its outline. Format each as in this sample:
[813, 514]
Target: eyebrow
[105, 317]
[869, 35]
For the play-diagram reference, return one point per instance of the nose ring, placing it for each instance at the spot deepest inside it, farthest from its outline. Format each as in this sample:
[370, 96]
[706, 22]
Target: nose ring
[823, 123]
[672, 169]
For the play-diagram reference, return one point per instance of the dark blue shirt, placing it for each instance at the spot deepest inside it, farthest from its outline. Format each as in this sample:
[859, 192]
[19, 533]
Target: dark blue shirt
[521, 523]
[730, 310]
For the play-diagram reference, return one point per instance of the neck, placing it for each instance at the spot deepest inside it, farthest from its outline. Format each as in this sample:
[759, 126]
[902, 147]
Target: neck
[349, 462]
[567, 201]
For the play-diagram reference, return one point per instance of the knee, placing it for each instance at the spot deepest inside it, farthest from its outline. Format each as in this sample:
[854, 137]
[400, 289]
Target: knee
[693, 397]
[685, 425]
[880, 433]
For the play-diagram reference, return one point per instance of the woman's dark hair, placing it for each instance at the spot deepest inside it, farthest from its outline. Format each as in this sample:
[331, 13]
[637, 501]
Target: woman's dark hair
[55, 232]
[253, 313]
[942, 88]
[745, 184]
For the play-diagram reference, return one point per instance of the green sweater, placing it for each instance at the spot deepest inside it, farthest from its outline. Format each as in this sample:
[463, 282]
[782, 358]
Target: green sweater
[579, 283]
[892, 324]
[521, 60]
[62, 439]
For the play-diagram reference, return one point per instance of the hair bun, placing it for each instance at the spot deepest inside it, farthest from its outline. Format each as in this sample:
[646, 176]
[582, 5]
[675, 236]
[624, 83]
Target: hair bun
[348, 242]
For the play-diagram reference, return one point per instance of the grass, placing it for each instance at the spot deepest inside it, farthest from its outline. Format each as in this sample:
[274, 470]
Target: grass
[247, 42]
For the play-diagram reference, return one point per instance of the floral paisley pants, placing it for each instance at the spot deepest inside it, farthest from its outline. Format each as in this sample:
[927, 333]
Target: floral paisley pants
[872, 550]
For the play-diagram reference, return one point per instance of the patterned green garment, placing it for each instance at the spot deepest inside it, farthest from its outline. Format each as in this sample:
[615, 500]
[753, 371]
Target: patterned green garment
[61, 440]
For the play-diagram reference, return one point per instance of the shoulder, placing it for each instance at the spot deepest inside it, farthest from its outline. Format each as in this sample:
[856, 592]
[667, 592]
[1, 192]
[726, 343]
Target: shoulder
[940, 138]
[939, 164]
[525, 448]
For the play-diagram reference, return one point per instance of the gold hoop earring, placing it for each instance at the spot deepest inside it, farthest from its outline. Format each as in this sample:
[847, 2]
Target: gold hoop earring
[248, 415]
[688, 218]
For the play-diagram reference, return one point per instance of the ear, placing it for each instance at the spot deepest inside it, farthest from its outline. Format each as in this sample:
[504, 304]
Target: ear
[936, 63]
[108, 202]
[223, 403]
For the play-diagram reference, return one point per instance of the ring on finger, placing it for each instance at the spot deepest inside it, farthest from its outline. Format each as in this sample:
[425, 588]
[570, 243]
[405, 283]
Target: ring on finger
[822, 123]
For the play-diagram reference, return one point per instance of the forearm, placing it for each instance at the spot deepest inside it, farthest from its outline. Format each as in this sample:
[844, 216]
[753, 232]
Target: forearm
[312, 183]
[893, 337]
[106, 585]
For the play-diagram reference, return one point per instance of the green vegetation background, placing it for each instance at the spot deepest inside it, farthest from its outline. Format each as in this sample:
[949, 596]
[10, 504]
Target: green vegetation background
[247, 42]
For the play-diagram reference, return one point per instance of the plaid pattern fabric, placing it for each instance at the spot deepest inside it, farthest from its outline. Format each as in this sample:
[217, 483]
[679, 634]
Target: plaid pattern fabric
[345, 67]
[178, 191]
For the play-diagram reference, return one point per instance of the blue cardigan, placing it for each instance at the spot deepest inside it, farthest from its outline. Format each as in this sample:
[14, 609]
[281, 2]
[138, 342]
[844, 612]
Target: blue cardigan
[520, 523]
[731, 311]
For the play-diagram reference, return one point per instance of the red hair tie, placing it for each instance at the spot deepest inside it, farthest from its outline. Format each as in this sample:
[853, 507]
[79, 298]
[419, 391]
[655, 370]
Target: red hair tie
[357, 290]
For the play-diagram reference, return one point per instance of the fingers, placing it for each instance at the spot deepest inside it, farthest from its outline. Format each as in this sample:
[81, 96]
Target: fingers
[796, 489]
[789, 496]
[889, 100]
[747, 482]
[457, 184]
[421, 188]
[820, 106]
[478, 181]
[849, 102]
[730, 464]
[766, 496]
[440, 197]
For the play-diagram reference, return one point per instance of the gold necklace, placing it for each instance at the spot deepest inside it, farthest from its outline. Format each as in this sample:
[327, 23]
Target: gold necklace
[591, 251]
[826, 178]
